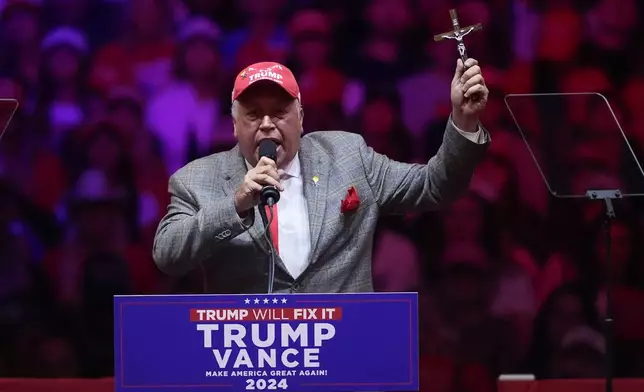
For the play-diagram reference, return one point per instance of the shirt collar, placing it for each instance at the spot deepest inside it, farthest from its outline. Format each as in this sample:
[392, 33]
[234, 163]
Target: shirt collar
[293, 169]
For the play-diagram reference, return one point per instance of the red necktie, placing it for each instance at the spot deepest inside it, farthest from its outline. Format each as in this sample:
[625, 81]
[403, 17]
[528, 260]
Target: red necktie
[273, 227]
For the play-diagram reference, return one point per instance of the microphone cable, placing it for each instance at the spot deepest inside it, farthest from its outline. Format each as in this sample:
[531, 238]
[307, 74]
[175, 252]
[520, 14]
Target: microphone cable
[269, 239]
[269, 196]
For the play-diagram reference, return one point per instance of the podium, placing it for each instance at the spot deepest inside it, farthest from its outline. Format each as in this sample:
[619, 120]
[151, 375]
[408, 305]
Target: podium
[274, 342]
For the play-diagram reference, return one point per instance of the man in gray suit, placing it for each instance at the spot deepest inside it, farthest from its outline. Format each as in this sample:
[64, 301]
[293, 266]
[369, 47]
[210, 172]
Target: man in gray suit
[333, 188]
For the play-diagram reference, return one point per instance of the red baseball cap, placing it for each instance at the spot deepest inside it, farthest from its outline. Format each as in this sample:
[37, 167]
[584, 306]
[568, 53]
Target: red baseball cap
[270, 71]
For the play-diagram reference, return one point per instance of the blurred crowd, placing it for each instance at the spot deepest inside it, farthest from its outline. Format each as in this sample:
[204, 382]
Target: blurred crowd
[116, 95]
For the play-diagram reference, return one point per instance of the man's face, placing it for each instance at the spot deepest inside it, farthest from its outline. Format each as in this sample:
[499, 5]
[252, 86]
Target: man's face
[147, 16]
[312, 51]
[463, 220]
[612, 23]
[201, 58]
[390, 17]
[64, 63]
[22, 27]
[266, 111]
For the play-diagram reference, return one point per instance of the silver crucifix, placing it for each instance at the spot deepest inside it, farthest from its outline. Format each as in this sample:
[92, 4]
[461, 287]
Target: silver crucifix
[457, 34]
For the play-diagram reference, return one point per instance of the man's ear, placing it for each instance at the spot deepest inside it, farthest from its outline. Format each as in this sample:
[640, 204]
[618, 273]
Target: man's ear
[234, 128]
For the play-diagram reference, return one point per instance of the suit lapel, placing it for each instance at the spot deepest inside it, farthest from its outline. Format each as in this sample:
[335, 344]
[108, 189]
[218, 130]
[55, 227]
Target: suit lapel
[315, 178]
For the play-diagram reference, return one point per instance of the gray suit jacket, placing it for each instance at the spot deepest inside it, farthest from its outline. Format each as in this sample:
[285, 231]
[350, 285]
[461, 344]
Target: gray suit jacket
[201, 227]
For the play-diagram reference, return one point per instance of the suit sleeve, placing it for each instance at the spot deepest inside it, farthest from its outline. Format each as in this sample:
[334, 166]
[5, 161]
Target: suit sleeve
[403, 187]
[187, 235]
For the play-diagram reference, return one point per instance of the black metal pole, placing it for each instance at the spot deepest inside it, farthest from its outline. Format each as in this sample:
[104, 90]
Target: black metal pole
[608, 317]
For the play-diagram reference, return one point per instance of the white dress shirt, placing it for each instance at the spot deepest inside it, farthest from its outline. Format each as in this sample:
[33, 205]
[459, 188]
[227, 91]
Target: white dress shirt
[293, 231]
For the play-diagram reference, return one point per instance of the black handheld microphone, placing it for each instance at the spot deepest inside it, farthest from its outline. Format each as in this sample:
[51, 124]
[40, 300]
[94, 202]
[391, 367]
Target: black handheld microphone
[269, 194]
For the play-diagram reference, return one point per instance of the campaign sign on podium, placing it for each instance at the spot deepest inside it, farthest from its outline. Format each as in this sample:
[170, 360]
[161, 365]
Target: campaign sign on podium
[276, 342]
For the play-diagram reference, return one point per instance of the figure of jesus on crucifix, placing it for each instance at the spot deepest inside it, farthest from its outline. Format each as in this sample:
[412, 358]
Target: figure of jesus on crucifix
[457, 34]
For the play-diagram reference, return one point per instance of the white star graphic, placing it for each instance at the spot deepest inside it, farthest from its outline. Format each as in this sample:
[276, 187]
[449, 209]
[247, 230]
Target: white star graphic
[265, 300]
[256, 301]
[246, 301]
[275, 300]
[284, 300]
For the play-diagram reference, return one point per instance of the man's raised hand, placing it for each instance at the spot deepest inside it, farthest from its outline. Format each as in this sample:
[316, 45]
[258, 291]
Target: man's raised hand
[469, 95]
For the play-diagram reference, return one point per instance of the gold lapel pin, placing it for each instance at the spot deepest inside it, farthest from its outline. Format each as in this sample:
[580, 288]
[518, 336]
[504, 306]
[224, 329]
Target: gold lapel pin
[316, 179]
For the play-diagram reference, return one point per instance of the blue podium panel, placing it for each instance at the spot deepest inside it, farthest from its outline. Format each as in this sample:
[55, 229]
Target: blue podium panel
[296, 342]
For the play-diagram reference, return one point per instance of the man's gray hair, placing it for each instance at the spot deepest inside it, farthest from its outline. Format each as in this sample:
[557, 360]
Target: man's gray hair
[234, 108]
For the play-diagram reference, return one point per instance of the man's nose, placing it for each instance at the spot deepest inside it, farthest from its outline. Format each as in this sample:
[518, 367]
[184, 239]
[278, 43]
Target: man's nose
[266, 124]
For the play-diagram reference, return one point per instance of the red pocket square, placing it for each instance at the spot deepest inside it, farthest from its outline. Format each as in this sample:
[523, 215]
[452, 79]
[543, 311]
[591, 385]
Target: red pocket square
[351, 201]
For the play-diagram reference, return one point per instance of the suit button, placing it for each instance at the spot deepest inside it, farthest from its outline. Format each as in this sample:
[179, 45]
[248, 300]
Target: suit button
[296, 287]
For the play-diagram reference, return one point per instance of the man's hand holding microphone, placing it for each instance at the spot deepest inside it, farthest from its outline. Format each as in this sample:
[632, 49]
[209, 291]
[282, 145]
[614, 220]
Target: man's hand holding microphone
[262, 183]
